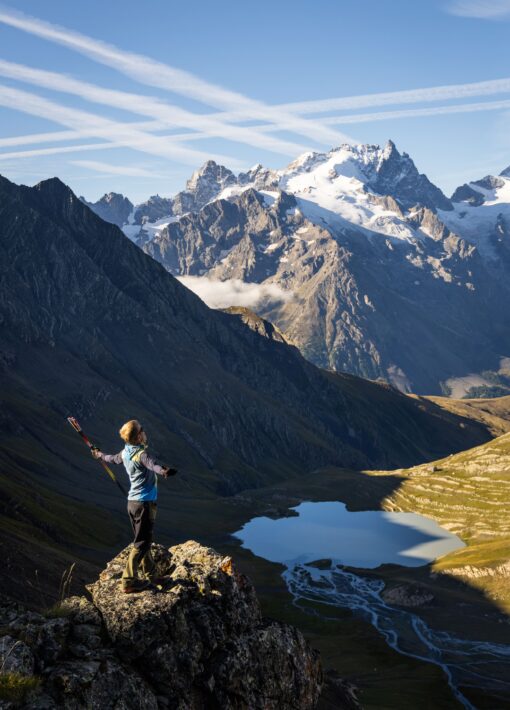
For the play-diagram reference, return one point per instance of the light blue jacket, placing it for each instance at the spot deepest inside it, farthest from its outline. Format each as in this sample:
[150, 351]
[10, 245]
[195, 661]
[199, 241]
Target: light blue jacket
[141, 469]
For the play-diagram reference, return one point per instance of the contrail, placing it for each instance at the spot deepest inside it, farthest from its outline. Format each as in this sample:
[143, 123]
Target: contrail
[153, 73]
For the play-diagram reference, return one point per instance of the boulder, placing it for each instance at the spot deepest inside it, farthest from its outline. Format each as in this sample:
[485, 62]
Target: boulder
[201, 643]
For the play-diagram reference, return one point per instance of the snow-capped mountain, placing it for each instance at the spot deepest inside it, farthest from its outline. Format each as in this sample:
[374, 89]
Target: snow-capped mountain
[367, 266]
[481, 213]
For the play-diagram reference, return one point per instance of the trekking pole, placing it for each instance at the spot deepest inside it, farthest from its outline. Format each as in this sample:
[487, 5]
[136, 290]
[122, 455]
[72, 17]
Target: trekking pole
[73, 422]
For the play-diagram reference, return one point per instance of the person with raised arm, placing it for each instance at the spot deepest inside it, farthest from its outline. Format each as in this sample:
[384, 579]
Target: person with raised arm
[143, 471]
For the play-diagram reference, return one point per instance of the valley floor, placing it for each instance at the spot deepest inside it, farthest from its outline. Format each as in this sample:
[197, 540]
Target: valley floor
[466, 492]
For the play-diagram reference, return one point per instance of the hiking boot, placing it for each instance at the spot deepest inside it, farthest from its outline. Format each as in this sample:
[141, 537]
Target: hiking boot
[137, 585]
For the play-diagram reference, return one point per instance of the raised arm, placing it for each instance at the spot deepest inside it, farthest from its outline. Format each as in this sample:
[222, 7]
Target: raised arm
[148, 461]
[107, 458]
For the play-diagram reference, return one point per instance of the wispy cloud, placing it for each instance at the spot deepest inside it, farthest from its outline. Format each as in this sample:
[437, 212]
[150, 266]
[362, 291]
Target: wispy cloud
[165, 113]
[168, 115]
[61, 136]
[481, 9]
[233, 292]
[408, 96]
[139, 135]
[157, 74]
[418, 112]
[89, 124]
[346, 119]
[55, 150]
[110, 169]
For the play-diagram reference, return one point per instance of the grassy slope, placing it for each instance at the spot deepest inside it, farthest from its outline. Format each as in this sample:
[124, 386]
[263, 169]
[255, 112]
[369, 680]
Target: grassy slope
[493, 413]
[469, 494]
[43, 534]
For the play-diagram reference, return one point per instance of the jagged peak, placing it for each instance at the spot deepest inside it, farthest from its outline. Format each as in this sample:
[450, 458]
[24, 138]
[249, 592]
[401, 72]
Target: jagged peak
[390, 149]
[54, 185]
[110, 196]
[57, 193]
[210, 169]
[505, 172]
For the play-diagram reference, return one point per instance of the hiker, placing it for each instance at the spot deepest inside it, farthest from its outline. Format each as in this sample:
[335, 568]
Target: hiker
[142, 470]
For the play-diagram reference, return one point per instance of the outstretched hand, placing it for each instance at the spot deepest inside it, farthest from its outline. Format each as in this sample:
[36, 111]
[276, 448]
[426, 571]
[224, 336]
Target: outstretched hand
[96, 453]
[169, 472]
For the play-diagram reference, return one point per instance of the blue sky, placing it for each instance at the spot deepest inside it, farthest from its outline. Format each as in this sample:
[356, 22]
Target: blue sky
[132, 98]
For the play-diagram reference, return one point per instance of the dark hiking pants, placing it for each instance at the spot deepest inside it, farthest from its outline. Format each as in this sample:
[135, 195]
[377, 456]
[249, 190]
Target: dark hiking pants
[142, 516]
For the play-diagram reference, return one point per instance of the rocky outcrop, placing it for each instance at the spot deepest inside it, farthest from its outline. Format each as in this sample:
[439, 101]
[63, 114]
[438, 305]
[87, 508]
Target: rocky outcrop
[202, 643]
[112, 207]
[465, 193]
[154, 208]
[473, 572]
[204, 185]
[396, 175]
[259, 325]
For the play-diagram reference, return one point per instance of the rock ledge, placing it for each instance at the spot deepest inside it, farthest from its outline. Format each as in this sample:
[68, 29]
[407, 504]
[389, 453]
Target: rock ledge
[201, 644]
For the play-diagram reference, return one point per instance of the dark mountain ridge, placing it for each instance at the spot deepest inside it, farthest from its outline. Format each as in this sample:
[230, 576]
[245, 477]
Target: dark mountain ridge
[93, 326]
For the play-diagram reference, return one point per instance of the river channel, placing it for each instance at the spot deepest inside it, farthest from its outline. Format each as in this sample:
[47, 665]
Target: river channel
[365, 540]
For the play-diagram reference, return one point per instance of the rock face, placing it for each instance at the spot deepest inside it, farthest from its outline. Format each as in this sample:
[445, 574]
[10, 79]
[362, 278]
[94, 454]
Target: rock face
[374, 305]
[385, 277]
[256, 323]
[112, 207]
[396, 175]
[201, 644]
[153, 209]
[92, 326]
[204, 185]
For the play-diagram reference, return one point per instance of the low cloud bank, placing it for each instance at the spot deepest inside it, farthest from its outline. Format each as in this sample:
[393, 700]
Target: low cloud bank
[234, 292]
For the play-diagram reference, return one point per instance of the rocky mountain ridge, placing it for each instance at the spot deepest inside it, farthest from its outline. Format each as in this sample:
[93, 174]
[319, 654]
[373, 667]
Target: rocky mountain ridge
[380, 273]
[94, 327]
[87, 289]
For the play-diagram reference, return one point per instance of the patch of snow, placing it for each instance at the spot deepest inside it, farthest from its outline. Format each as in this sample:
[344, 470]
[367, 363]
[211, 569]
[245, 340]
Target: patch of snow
[504, 366]
[368, 302]
[270, 196]
[476, 223]
[233, 191]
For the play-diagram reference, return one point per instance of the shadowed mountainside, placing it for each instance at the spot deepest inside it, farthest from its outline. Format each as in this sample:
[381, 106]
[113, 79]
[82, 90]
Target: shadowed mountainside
[91, 326]
[494, 413]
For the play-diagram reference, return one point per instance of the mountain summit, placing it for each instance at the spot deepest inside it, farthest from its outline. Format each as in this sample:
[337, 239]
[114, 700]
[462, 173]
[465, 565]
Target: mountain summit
[374, 270]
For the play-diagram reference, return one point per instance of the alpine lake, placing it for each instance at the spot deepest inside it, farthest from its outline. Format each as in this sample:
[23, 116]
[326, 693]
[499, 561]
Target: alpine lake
[326, 551]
